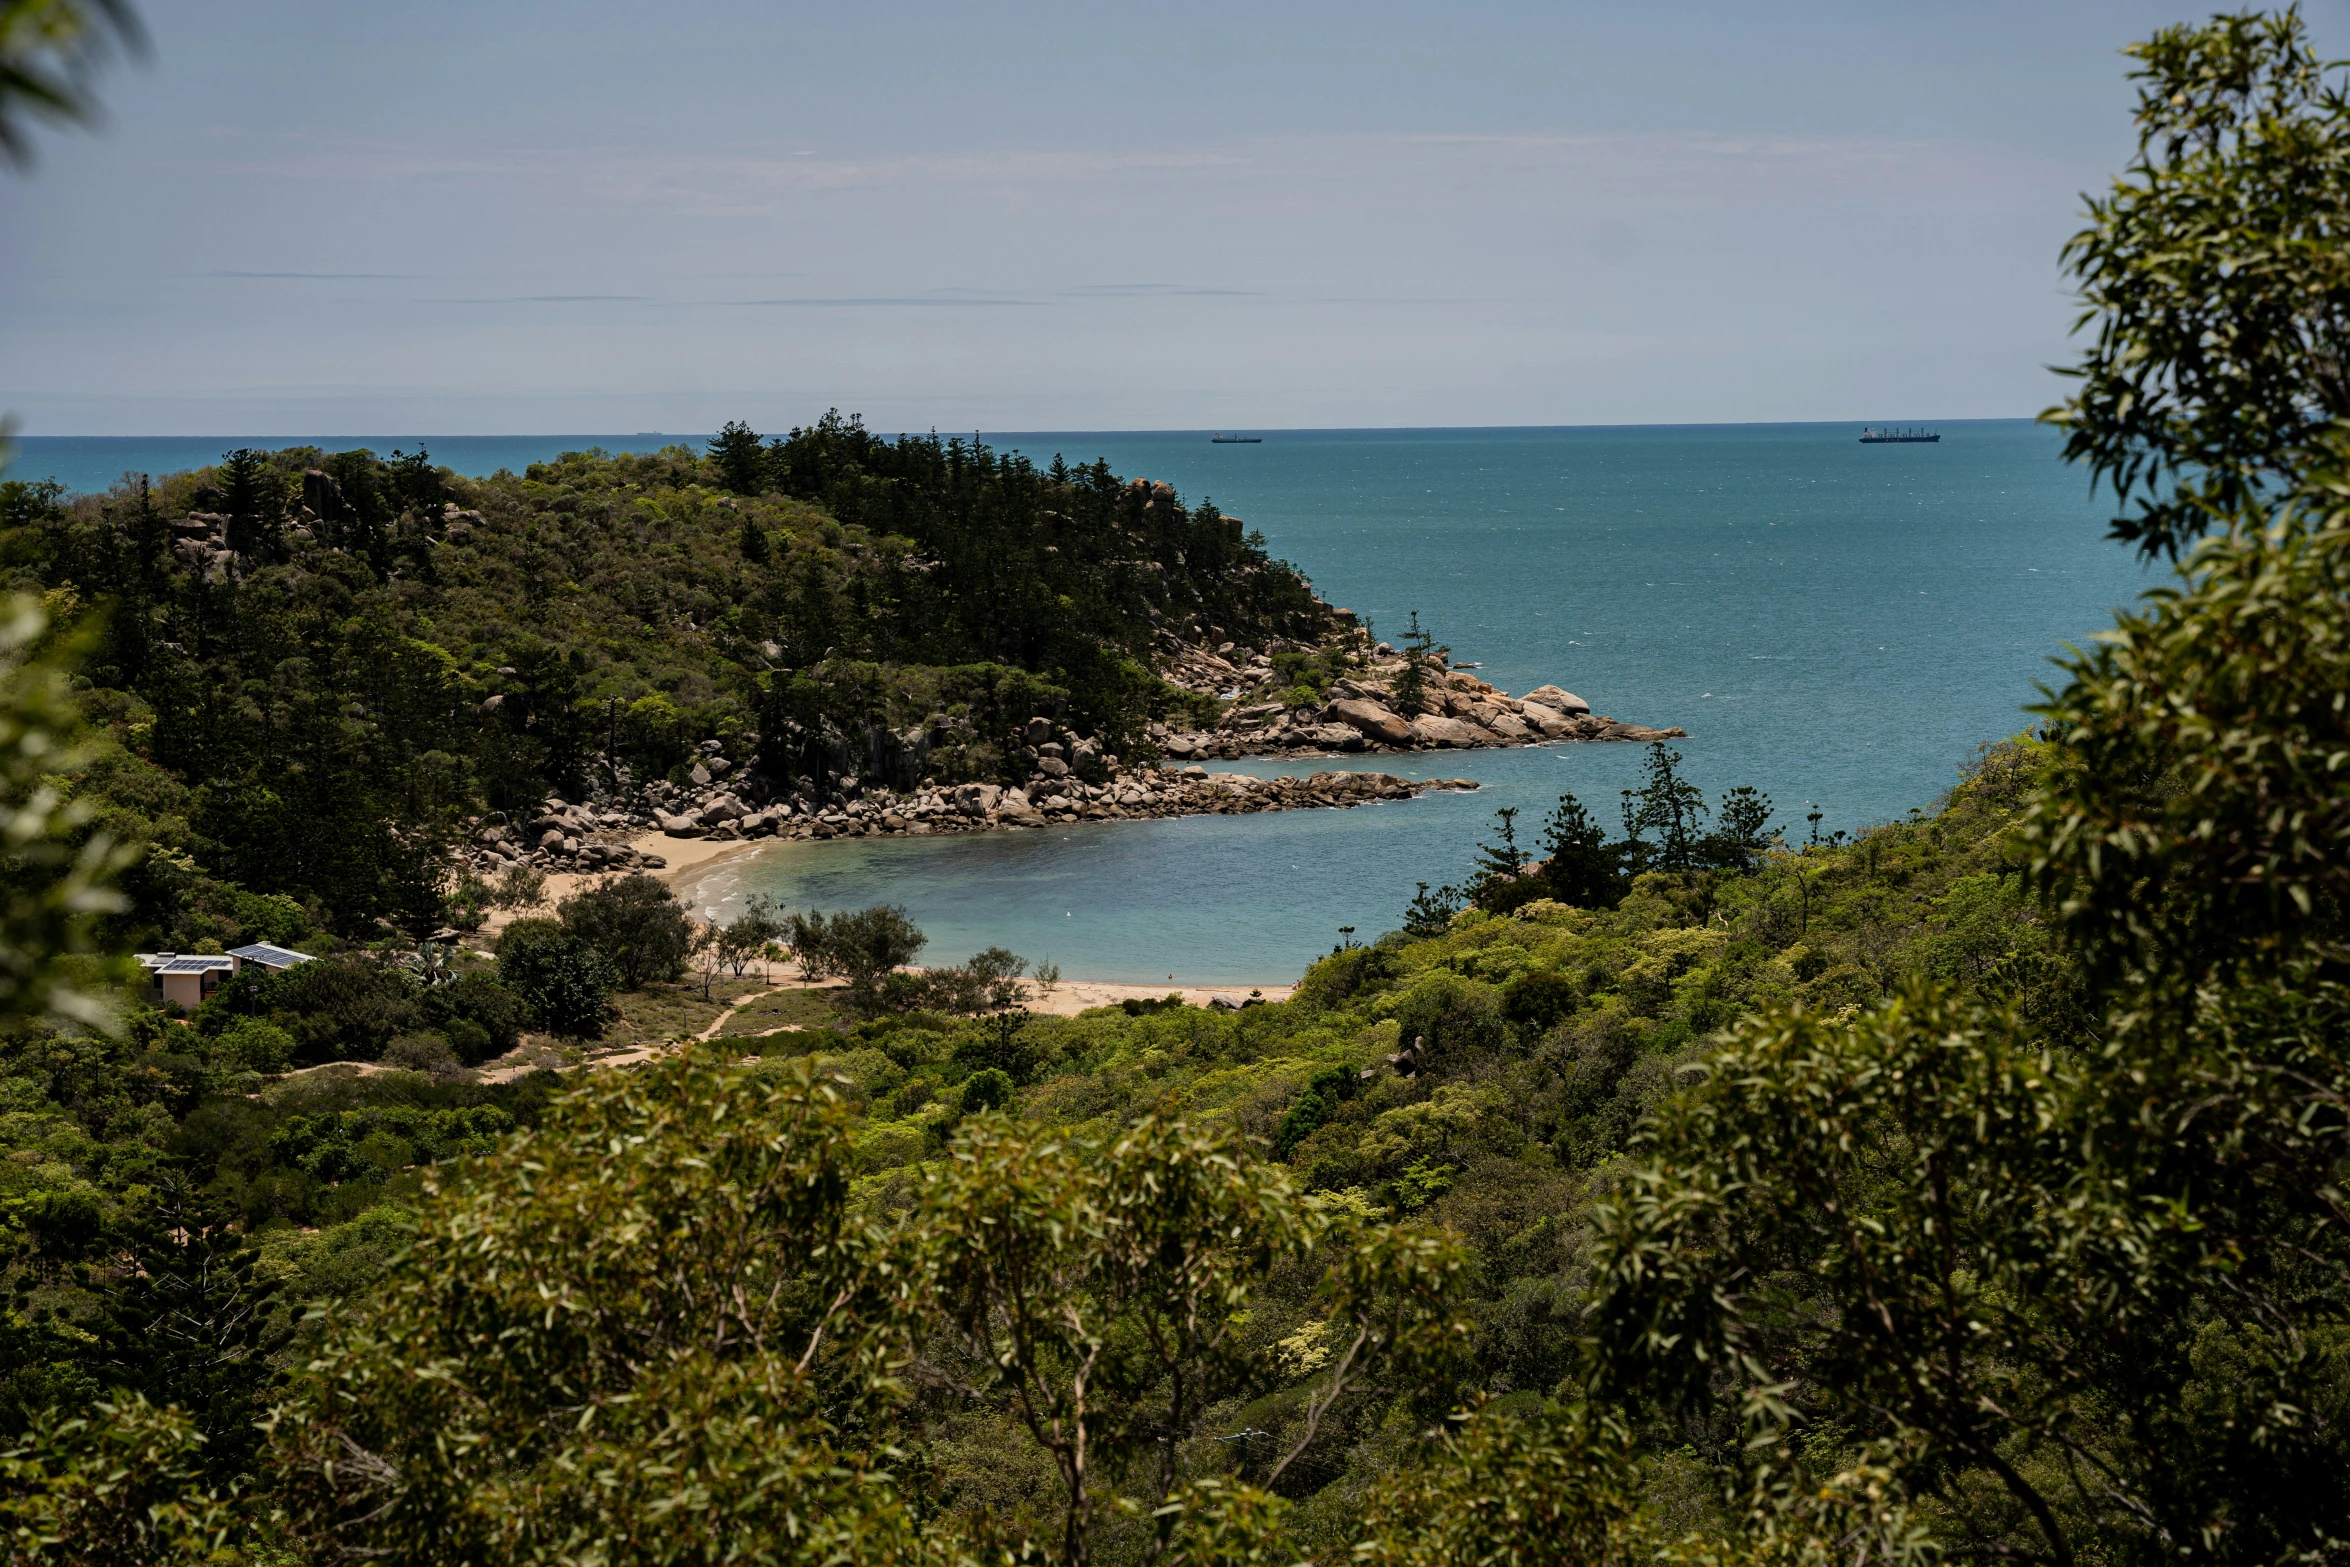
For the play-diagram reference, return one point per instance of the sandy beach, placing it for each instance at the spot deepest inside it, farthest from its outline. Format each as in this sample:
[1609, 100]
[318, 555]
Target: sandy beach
[1070, 997]
[683, 855]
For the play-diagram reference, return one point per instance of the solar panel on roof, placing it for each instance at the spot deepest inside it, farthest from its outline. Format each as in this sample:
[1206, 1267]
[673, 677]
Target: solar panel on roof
[274, 956]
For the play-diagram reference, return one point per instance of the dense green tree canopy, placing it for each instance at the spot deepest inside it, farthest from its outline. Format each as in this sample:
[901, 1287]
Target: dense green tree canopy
[2081, 1288]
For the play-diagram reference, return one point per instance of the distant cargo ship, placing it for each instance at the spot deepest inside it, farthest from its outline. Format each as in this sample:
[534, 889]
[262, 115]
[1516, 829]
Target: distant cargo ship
[1237, 440]
[1875, 437]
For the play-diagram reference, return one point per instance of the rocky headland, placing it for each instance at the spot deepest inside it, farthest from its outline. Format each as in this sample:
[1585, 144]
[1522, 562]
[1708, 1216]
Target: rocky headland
[1341, 695]
[1268, 706]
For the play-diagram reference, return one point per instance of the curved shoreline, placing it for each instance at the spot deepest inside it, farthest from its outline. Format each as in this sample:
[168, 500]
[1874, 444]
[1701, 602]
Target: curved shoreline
[601, 842]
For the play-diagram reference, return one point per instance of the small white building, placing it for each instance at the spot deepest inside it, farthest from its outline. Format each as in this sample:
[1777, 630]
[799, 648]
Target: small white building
[188, 978]
[185, 977]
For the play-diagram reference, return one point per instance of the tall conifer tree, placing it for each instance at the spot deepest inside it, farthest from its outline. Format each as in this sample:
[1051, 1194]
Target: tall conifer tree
[740, 458]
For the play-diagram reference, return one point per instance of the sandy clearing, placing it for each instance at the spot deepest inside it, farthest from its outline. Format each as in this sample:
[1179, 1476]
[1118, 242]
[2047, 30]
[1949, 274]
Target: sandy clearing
[685, 854]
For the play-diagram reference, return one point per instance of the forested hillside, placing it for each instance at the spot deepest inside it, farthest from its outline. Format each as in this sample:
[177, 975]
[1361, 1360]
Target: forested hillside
[1446, 1110]
[313, 667]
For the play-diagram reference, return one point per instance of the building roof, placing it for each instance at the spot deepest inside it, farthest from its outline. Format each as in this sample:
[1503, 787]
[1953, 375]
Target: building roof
[267, 956]
[185, 962]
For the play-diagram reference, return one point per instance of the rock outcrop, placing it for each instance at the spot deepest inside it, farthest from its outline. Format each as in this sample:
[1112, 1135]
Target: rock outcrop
[1563, 702]
[563, 836]
[1371, 709]
[203, 541]
[1366, 718]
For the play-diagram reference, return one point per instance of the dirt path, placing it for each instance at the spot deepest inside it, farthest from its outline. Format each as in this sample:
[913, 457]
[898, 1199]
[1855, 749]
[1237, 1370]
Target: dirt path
[785, 975]
[718, 1023]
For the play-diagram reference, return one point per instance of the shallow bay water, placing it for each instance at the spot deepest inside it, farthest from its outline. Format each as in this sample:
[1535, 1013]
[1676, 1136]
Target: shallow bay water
[1831, 622]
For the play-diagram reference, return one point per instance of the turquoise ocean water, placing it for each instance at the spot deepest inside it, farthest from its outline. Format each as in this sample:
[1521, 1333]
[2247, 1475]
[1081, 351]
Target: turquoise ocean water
[1831, 622]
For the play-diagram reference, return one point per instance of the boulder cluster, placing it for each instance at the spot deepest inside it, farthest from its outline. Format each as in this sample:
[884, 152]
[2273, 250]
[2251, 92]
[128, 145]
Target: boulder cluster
[1372, 712]
[1048, 800]
[563, 836]
[201, 541]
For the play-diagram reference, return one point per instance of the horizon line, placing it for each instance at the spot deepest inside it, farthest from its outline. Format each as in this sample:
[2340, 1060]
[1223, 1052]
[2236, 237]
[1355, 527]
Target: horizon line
[21, 437]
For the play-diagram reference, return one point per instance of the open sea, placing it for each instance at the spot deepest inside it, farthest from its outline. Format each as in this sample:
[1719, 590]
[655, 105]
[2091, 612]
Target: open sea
[1831, 622]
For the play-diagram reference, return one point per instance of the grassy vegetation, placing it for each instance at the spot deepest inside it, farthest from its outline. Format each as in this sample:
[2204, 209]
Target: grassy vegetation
[1549, 1036]
[666, 1010]
[792, 1006]
[1545, 1036]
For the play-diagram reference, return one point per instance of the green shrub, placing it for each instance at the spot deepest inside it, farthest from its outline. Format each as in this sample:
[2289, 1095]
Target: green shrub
[635, 924]
[565, 983]
[988, 1089]
[1445, 1019]
[471, 1004]
[1538, 999]
[256, 1046]
[1331, 1087]
[469, 1041]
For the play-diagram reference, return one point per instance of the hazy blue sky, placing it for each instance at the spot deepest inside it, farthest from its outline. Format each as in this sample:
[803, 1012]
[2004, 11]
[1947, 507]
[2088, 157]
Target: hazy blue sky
[320, 217]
